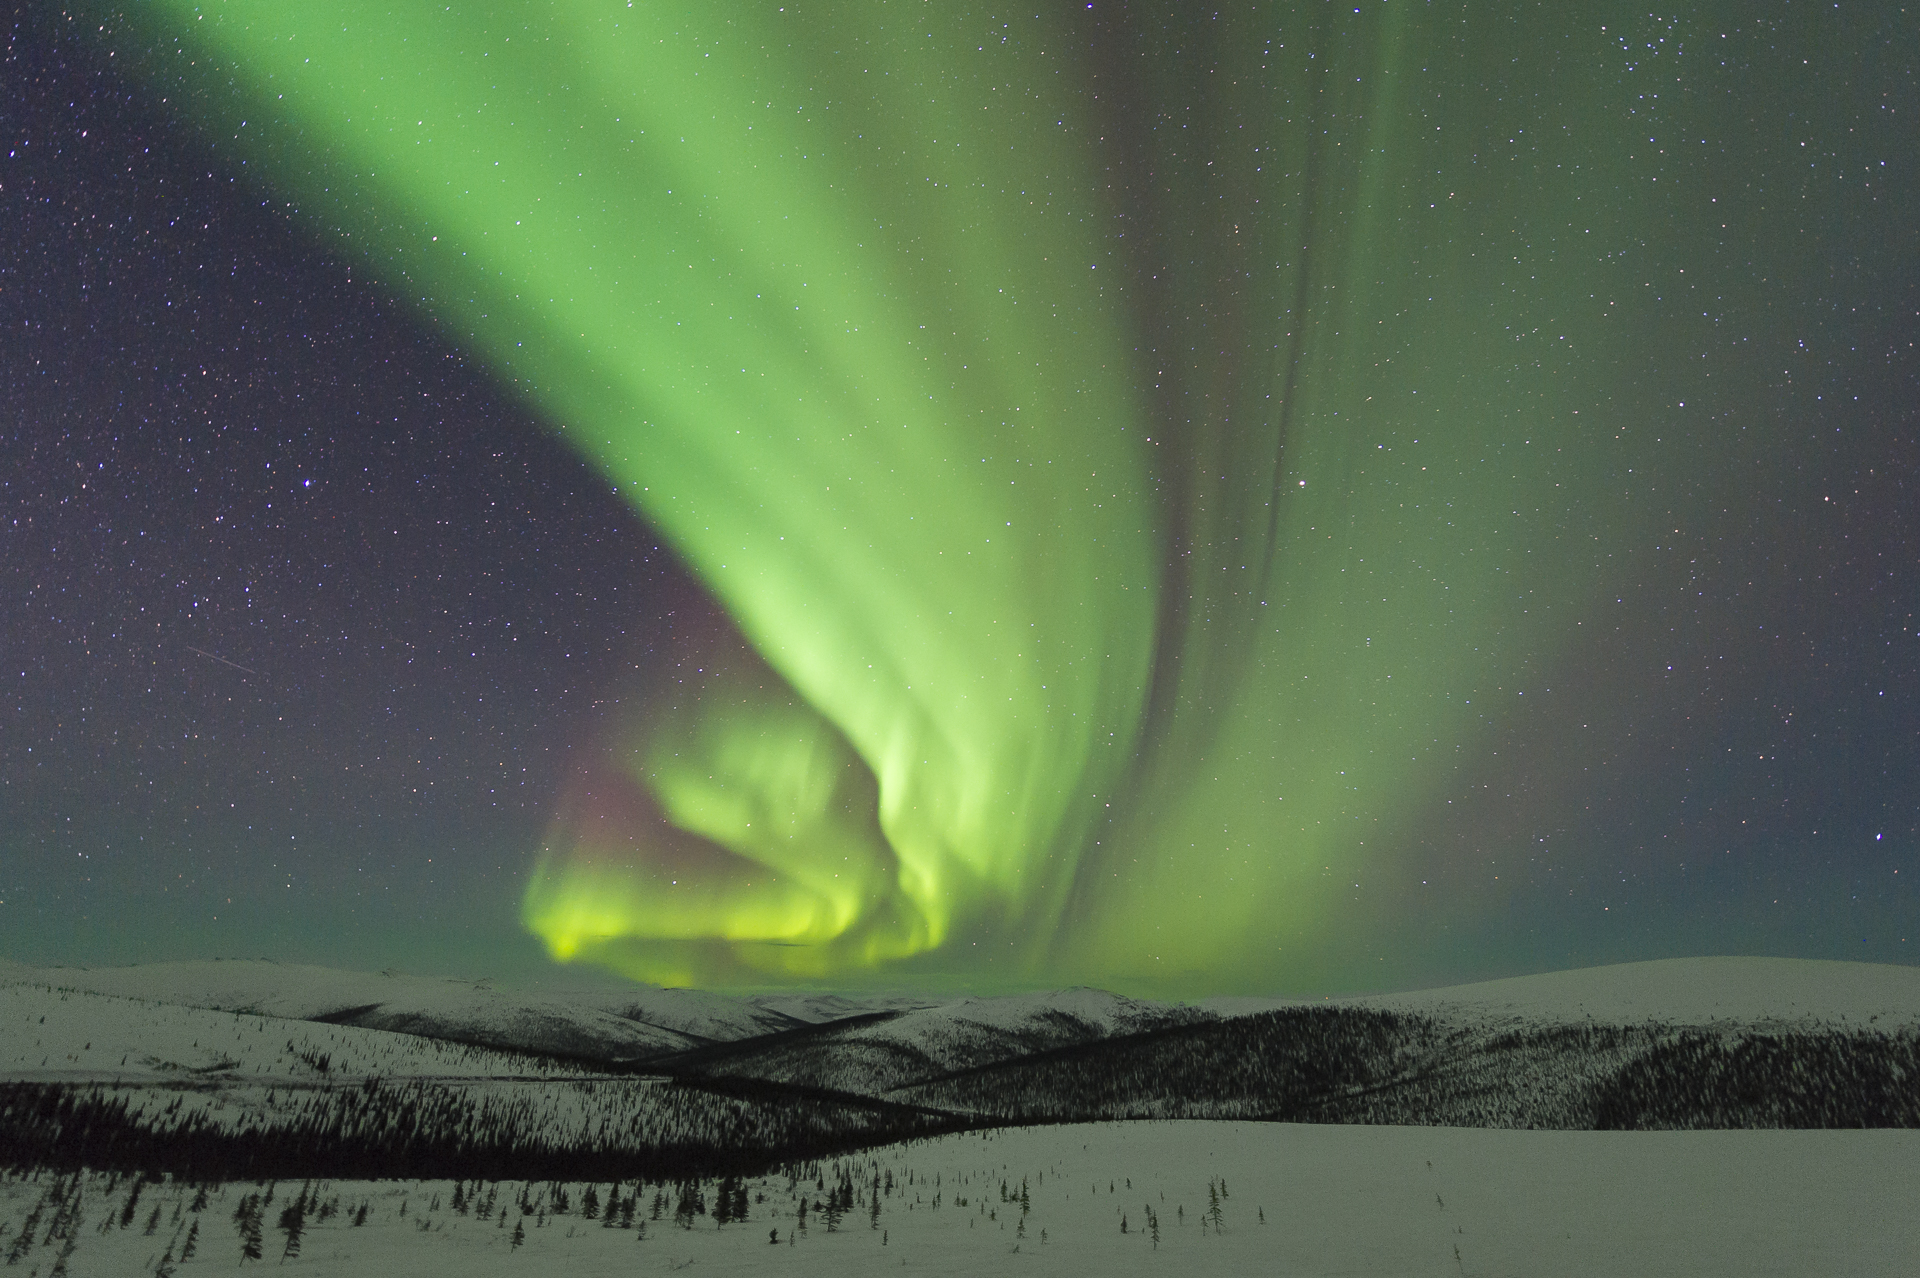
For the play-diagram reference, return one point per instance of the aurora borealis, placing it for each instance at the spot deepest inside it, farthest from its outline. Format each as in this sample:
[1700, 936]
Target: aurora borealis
[1311, 496]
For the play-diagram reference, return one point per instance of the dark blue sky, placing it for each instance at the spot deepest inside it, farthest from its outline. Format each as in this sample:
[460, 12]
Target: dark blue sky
[301, 612]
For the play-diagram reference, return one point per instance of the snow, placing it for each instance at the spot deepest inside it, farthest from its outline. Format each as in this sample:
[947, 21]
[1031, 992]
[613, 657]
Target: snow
[1689, 991]
[1336, 1200]
[64, 1036]
[817, 1009]
[614, 1023]
[1110, 1013]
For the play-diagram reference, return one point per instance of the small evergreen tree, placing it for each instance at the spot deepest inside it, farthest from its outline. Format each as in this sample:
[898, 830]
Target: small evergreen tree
[133, 1199]
[692, 1203]
[192, 1244]
[23, 1240]
[519, 1235]
[293, 1223]
[246, 1218]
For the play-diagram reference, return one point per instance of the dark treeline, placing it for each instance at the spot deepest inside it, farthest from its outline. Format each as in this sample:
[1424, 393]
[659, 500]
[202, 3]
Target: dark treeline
[428, 1131]
[1309, 1064]
[1349, 1065]
[1274, 1065]
[1798, 1080]
[841, 1056]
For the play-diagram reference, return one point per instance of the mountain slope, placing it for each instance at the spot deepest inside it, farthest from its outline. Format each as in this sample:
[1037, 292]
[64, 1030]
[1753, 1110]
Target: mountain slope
[609, 1024]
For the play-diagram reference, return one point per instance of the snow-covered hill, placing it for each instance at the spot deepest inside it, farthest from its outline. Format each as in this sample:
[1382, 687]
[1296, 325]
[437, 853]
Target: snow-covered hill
[1687, 991]
[597, 1023]
[274, 1069]
[878, 1054]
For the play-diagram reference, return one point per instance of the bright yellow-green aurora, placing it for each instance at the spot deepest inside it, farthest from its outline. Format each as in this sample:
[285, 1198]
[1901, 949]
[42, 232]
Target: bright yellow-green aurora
[1131, 446]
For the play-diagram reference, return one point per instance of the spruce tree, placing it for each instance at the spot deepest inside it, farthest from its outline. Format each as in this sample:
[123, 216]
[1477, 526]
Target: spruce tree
[293, 1223]
[692, 1203]
[246, 1218]
[23, 1240]
[133, 1198]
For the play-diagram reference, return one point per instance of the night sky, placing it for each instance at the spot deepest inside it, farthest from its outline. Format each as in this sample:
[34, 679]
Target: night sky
[1304, 499]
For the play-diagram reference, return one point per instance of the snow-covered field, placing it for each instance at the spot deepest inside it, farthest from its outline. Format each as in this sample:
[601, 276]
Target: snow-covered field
[145, 1049]
[1292, 1200]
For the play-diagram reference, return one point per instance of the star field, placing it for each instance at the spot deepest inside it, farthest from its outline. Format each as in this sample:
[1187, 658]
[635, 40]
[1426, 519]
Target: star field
[1284, 500]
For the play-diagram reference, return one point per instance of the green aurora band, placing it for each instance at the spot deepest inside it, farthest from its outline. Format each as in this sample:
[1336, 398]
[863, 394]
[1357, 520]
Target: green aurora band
[1131, 446]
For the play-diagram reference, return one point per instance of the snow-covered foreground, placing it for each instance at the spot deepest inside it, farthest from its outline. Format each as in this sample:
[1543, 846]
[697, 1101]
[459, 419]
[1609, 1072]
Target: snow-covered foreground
[1335, 1200]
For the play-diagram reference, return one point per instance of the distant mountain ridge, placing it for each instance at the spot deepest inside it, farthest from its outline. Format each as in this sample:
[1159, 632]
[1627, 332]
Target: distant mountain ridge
[182, 1067]
[595, 1024]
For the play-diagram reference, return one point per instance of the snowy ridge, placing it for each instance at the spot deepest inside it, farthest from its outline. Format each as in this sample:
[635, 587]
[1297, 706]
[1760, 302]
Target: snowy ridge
[1089, 1008]
[1391, 1095]
[1721, 1043]
[1687, 991]
[72, 1036]
[881, 1054]
[611, 1024]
